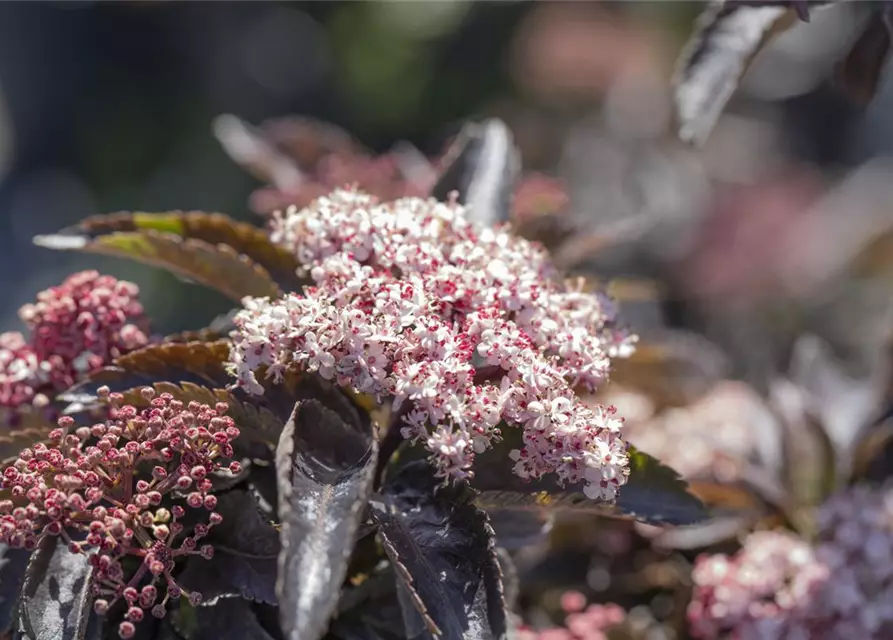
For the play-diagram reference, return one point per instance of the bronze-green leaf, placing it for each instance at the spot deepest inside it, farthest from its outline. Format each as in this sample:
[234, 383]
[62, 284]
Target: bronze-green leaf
[214, 228]
[217, 266]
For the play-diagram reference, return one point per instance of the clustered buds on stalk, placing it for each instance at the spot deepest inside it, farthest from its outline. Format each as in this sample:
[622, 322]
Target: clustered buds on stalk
[466, 329]
[101, 488]
[76, 327]
[778, 585]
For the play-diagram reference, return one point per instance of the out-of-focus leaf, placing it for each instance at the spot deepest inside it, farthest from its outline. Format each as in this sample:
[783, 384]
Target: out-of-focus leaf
[246, 546]
[55, 602]
[29, 429]
[873, 458]
[808, 463]
[702, 535]
[250, 149]
[726, 39]
[217, 266]
[843, 404]
[518, 529]
[212, 228]
[859, 74]
[325, 466]
[801, 7]
[13, 563]
[308, 140]
[442, 547]
[483, 165]
[673, 368]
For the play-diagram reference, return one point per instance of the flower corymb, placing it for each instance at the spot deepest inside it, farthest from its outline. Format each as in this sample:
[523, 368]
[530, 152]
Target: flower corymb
[119, 491]
[75, 328]
[467, 330]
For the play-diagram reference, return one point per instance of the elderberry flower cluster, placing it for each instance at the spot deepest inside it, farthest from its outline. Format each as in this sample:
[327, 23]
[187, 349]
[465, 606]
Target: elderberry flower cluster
[779, 586]
[75, 328]
[767, 590]
[114, 491]
[582, 622]
[466, 329]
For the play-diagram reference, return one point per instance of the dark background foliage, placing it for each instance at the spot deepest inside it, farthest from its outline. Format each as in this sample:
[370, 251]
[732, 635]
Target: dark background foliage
[108, 106]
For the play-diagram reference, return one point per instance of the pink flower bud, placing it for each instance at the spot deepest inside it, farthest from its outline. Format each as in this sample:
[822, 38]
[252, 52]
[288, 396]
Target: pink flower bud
[126, 630]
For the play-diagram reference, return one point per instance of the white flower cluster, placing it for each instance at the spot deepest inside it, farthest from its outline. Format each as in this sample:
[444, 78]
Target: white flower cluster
[779, 586]
[466, 329]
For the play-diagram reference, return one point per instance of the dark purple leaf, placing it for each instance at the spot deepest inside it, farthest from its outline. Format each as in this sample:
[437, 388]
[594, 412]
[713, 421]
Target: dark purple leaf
[13, 563]
[859, 74]
[246, 546]
[516, 529]
[370, 610]
[228, 619]
[654, 493]
[325, 464]
[800, 6]
[201, 363]
[483, 165]
[442, 547]
[726, 39]
[55, 602]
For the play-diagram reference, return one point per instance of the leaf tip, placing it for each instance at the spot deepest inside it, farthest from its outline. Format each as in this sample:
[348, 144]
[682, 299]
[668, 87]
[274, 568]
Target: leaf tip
[60, 242]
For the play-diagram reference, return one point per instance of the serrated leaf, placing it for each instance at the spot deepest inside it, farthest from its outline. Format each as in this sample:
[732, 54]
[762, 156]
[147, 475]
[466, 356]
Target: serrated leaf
[246, 546]
[654, 493]
[726, 39]
[13, 564]
[483, 165]
[202, 363]
[55, 602]
[217, 266]
[442, 547]
[210, 228]
[325, 466]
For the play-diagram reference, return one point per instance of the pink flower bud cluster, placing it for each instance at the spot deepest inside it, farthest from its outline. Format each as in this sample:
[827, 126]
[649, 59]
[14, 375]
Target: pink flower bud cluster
[100, 489]
[582, 622]
[464, 328]
[76, 327]
[766, 590]
[20, 371]
[779, 586]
